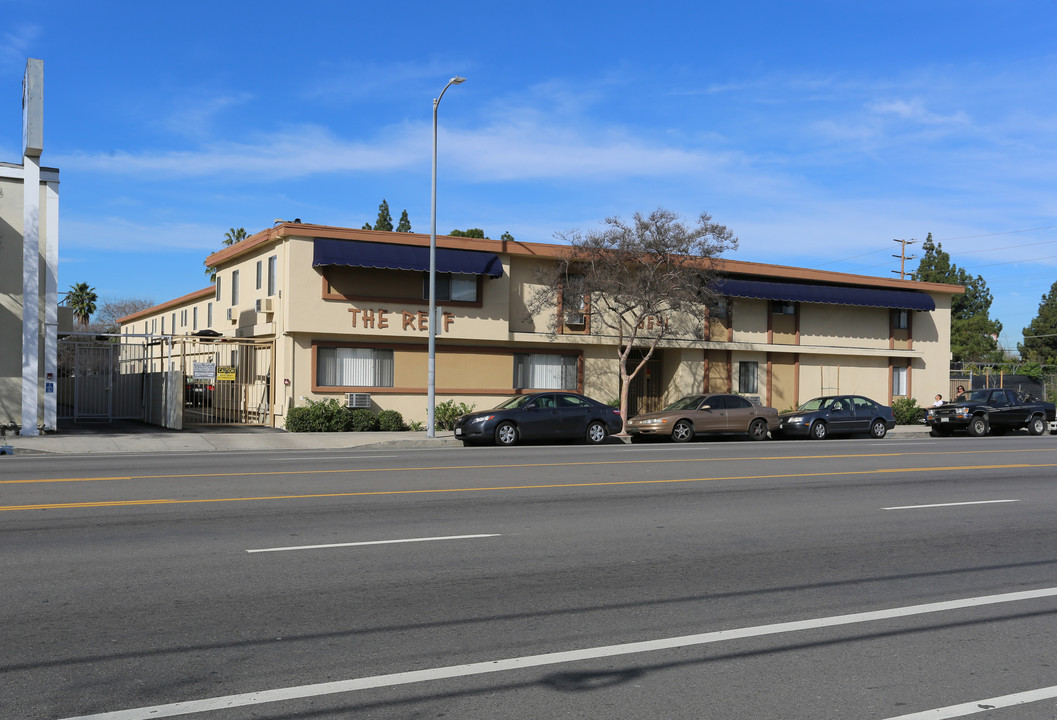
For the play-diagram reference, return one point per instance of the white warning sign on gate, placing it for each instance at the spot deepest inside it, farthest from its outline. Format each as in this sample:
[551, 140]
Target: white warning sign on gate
[205, 371]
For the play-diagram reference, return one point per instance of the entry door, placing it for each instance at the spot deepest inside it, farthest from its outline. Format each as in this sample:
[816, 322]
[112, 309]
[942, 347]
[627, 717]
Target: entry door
[647, 389]
[93, 382]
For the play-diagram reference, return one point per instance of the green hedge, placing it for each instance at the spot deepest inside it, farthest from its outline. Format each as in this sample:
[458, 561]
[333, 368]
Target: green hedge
[445, 414]
[907, 411]
[331, 416]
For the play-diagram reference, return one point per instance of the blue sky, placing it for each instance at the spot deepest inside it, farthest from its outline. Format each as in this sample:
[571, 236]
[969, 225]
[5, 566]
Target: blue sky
[818, 131]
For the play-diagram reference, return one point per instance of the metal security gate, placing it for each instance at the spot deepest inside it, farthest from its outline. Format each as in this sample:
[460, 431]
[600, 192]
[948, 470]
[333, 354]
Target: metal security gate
[226, 381]
[103, 380]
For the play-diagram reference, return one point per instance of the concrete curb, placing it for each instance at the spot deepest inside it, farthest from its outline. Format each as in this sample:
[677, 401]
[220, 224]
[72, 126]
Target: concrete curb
[162, 441]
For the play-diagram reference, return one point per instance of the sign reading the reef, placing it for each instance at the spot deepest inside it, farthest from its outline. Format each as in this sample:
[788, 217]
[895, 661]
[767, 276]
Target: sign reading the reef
[381, 319]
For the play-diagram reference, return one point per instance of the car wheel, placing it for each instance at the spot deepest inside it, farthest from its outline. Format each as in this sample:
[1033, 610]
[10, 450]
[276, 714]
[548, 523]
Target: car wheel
[596, 432]
[683, 431]
[506, 434]
[878, 429]
[978, 426]
[758, 430]
[819, 431]
[1037, 426]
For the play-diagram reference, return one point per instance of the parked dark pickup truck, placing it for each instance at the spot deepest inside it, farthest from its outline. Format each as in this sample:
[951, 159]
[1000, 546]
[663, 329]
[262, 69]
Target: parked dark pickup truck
[991, 410]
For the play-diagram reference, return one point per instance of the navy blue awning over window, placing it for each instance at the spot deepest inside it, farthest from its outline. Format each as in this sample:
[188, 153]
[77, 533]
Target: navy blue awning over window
[830, 294]
[355, 253]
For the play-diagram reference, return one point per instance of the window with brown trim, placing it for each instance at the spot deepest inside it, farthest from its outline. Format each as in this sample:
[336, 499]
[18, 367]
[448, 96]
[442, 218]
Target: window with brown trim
[354, 367]
[452, 287]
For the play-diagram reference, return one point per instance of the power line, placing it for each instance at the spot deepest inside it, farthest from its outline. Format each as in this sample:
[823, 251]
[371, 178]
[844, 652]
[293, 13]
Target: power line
[1007, 232]
[1003, 247]
[1011, 262]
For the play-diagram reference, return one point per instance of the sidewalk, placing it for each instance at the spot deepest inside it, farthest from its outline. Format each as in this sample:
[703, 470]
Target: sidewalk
[140, 438]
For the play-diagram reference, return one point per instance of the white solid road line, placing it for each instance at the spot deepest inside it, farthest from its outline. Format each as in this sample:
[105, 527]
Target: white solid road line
[372, 542]
[951, 504]
[979, 706]
[520, 663]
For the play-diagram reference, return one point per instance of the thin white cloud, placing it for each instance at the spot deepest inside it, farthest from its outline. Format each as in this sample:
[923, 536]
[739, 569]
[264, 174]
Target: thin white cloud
[297, 152]
[914, 110]
[194, 115]
[115, 233]
[354, 81]
[15, 43]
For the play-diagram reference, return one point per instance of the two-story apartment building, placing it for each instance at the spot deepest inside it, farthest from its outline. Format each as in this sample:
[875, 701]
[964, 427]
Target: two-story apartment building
[345, 313]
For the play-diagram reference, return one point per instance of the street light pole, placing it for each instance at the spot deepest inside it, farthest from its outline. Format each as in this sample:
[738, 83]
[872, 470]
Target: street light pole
[431, 371]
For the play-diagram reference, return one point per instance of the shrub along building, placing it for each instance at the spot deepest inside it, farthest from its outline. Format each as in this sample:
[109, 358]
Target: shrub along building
[343, 313]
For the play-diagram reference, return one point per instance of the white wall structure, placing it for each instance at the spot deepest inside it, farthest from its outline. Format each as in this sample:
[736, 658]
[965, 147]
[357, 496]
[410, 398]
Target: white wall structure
[29, 222]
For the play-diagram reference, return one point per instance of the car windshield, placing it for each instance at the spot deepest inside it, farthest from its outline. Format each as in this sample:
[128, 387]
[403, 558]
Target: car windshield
[514, 402]
[975, 396]
[687, 403]
[816, 404]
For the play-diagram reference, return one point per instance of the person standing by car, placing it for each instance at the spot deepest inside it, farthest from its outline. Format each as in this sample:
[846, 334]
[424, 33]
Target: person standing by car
[961, 391]
[939, 400]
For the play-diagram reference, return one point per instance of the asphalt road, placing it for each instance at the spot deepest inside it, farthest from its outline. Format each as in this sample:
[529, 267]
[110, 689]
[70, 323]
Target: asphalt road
[721, 579]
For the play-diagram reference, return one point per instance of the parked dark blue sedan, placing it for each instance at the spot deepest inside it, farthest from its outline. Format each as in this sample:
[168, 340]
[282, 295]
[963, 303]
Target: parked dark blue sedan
[540, 416]
[837, 415]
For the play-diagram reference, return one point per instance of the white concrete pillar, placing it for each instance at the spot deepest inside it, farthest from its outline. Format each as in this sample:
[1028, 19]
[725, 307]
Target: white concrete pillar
[51, 302]
[30, 294]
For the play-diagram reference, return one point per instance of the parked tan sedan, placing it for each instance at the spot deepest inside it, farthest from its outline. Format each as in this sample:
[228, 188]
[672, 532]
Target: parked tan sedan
[703, 414]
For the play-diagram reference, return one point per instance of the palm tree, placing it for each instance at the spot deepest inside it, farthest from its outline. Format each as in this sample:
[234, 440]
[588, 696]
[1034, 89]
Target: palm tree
[231, 237]
[82, 299]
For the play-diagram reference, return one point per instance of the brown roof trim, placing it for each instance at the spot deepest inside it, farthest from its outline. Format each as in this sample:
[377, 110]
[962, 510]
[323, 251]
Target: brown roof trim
[741, 267]
[548, 250]
[196, 295]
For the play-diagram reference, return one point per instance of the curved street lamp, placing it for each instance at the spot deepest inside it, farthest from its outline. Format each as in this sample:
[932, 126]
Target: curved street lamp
[431, 371]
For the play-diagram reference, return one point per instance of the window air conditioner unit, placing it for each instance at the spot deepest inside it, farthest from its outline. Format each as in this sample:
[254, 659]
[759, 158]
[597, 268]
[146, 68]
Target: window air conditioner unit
[358, 400]
[233, 314]
[264, 305]
[574, 318]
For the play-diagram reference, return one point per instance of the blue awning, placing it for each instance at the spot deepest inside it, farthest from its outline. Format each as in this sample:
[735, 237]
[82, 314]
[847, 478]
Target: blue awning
[356, 253]
[829, 294]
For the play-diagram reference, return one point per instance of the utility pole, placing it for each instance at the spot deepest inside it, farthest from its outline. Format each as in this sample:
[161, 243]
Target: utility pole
[903, 257]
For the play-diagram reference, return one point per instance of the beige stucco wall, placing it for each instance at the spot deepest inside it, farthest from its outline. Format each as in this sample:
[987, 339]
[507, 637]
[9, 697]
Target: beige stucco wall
[11, 297]
[782, 381]
[930, 374]
[10, 301]
[843, 326]
[831, 374]
[749, 319]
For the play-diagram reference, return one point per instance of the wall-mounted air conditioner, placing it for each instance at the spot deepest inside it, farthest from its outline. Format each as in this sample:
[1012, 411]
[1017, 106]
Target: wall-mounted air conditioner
[264, 305]
[358, 400]
[233, 314]
[574, 318]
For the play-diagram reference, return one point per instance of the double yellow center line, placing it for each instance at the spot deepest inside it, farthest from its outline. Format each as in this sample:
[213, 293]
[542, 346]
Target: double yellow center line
[504, 488]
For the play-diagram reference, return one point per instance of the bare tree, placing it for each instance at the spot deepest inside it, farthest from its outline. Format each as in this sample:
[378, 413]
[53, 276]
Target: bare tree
[636, 281]
[113, 309]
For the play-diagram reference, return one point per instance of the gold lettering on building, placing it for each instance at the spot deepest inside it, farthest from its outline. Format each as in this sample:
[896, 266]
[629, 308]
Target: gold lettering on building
[378, 319]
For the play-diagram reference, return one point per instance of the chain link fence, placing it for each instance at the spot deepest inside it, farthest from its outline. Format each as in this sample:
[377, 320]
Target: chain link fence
[1039, 381]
